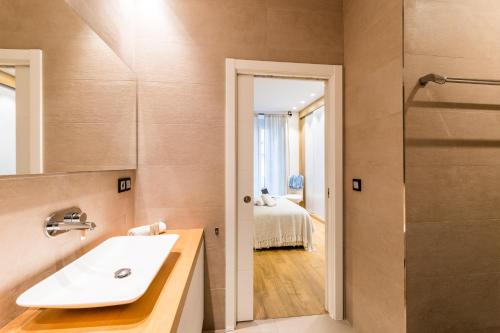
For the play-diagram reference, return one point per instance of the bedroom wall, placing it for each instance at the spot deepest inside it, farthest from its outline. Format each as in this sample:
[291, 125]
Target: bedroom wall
[181, 46]
[302, 139]
[374, 218]
[452, 167]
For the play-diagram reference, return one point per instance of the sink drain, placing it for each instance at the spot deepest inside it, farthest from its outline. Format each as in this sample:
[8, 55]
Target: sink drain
[122, 273]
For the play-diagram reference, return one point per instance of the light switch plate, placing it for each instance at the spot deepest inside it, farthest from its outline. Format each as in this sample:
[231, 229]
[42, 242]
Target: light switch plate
[124, 184]
[356, 184]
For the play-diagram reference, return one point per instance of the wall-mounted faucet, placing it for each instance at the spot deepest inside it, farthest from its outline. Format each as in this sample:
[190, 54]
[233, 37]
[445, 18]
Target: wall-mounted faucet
[67, 220]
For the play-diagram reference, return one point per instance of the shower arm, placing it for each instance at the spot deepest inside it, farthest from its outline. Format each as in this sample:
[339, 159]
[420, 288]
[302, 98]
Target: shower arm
[439, 79]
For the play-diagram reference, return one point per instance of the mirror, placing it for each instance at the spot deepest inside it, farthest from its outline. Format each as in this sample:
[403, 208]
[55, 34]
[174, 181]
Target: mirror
[67, 100]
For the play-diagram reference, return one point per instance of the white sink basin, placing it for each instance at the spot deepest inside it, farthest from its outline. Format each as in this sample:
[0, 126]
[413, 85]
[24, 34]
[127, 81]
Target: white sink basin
[90, 281]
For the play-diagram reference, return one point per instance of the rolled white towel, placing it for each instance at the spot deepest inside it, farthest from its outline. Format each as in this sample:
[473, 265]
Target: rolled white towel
[148, 230]
[259, 201]
[268, 200]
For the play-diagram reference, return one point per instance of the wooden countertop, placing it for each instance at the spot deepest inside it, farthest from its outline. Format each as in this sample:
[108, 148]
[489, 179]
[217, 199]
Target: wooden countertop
[158, 310]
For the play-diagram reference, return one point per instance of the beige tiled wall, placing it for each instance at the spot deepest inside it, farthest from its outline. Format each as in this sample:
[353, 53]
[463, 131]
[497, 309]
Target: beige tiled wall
[374, 218]
[180, 50]
[452, 167]
[82, 75]
[113, 21]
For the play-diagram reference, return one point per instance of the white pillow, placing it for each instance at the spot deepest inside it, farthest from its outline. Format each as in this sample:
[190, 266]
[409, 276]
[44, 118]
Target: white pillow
[259, 201]
[268, 200]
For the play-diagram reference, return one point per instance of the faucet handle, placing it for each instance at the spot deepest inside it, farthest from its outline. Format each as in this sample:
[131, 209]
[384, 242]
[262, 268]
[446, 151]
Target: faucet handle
[75, 217]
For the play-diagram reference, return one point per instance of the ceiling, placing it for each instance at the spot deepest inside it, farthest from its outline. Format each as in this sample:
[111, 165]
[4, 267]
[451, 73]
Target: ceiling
[281, 95]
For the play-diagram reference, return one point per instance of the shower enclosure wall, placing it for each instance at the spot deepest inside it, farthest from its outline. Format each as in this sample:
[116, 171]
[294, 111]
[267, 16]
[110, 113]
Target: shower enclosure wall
[452, 166]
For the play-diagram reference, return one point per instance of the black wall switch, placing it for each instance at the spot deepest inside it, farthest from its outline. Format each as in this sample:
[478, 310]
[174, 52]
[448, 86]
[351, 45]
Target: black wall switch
[124, 184]
[356, 185]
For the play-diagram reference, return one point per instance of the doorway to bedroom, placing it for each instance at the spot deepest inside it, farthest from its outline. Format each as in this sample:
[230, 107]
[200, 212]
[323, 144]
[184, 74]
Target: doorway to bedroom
[289, 197]
[242, 122]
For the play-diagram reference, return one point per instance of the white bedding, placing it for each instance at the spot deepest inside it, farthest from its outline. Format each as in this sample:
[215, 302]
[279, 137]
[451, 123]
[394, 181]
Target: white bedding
[286, 224]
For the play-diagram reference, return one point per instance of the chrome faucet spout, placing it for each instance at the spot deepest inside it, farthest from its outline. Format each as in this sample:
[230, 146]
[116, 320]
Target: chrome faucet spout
[68, 226]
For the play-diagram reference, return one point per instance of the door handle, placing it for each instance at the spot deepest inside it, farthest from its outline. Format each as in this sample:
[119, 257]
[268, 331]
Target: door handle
[247, 199]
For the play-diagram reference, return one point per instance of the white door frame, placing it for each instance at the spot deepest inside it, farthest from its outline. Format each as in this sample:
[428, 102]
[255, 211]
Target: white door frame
[334, 174]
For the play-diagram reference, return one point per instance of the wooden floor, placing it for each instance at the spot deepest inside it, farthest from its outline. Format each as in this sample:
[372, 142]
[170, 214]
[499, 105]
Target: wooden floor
[290, 282]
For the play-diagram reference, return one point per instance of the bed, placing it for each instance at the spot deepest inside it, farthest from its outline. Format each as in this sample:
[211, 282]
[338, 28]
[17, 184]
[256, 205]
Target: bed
[286, 224]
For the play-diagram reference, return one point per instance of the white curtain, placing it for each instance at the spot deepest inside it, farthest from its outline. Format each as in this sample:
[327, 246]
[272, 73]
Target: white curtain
[270, 157]
[293, 152]
[258, 154]
[315, 162]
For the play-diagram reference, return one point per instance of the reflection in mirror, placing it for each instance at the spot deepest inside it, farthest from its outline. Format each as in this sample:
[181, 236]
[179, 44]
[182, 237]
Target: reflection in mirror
[7, 120]
[84, 117]
[20, 112]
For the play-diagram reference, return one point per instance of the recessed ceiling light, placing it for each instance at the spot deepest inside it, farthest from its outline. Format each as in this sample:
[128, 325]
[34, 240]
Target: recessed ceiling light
[312, 94]
[302, 102]
[294, 108]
